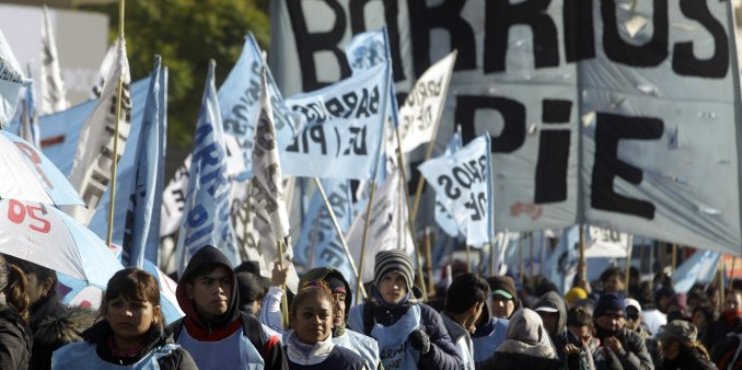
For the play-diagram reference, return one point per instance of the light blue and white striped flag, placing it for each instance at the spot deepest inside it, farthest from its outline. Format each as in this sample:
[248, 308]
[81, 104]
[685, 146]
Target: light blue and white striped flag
[699, 268]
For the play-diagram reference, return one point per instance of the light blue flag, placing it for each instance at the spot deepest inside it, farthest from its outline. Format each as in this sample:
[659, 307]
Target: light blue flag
[319, 244]
[560, 267]
[344, 128]
[701, 267]
[207, 206]
[367, 50]
[141, 238]
[239, 101]
[444, 219]
[463, 183]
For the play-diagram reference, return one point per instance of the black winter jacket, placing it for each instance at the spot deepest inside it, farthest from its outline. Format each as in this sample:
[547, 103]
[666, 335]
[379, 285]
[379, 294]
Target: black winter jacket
[54, 326]
[16, 340]
[688, 359]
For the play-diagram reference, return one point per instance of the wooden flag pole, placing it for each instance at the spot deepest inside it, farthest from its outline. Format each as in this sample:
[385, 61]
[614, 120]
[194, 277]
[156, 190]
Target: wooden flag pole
[114, 168]
[532, 255]
[359, 280]
[428, 256]
[339, 231]
[284, 301]
[582, 248]
[629, 250]
[468, 258]
[521, 258]
[674, 257]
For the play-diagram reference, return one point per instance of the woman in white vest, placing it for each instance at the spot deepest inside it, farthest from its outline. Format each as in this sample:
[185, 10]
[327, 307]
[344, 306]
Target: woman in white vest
[131, 334]
[411, 335]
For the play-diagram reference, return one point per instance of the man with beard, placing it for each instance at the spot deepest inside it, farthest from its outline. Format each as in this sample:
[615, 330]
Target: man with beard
[620, 348]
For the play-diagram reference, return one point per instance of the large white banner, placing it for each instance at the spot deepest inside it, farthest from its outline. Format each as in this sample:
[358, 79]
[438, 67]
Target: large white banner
[651, 107]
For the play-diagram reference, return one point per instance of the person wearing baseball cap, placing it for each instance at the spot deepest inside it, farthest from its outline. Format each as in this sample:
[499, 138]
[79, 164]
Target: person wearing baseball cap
[620, 347]
[504, 296]
[681, 348]
[411, 335]
[553, 313]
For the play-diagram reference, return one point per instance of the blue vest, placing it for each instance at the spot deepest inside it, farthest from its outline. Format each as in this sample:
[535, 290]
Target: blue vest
[83, 356]
[233, 352]
[484, 346]
[394, 349]
[364, 346]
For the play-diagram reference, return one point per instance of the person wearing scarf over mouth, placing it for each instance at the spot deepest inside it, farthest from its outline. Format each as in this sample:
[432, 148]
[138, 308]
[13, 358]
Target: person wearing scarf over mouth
[411, 335]
[131, 334]
[309, 345]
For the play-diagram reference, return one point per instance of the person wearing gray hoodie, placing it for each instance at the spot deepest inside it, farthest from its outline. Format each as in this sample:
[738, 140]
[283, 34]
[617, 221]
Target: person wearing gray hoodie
[553, 312]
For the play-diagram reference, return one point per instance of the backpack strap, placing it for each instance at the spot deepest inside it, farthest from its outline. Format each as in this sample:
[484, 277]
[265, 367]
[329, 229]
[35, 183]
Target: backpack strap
[368, 319]
[252, 329]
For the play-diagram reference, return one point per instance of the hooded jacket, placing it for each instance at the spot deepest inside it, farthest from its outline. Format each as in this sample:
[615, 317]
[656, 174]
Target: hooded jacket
[561, 338]
[100, 334]
[231, 321]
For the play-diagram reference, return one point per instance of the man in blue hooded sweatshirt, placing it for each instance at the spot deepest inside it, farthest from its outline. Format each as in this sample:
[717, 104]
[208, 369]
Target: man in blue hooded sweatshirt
[411, 335]
[214, 331]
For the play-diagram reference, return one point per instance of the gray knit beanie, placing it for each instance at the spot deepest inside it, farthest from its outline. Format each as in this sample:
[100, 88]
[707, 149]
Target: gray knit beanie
[393, 261]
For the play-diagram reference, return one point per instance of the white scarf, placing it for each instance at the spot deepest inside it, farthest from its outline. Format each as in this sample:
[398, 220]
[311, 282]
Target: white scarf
[308, 354]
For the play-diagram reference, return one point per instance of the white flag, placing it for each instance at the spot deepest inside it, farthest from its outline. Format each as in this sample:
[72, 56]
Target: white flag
[267, 185]
[91, 171]
[53, 94]
[463, 183]
[421, 111]
[11, 81]
[387, 229]
[103, 70]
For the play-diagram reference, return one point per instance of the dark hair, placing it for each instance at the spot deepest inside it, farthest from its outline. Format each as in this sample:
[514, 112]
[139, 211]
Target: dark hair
[13, 283]
[29, 268]
[578, 316]
[202, 270]
[250, 289]
[313, 289]
[706, 310]
[611, 272]
[134, 285]
[465, 291]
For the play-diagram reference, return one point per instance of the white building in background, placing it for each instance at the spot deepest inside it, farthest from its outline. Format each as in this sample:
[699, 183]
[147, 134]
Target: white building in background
[82, 41]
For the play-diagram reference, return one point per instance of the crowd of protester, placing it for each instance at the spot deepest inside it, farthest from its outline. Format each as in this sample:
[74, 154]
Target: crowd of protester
[233, 320]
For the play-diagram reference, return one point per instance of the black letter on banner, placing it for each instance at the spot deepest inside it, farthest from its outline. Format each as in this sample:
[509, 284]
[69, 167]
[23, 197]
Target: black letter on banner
[619, 51]
[610, 129]
[513, 134]
[553, 153]
[501, 15]
[308, 43]
[447, 15]
[358, 25]
[684, 62]
[579, 31]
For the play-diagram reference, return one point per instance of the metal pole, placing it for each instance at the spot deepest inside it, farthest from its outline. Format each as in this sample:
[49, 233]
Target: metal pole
[339, 231]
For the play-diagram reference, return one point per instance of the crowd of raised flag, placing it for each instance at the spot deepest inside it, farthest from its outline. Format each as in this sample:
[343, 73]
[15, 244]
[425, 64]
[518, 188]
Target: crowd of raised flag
[351, 293]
